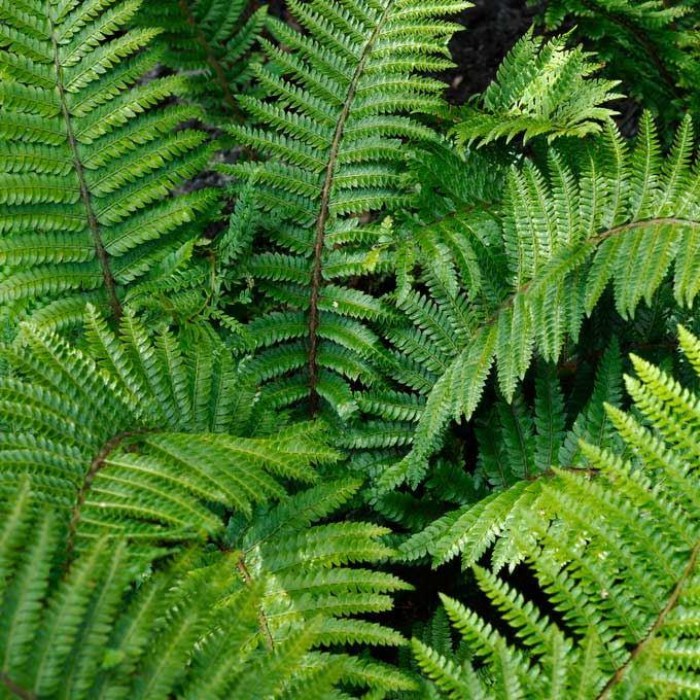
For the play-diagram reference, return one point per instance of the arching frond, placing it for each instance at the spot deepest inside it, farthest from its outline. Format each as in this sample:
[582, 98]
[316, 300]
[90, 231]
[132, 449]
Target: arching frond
[626, 220]
[90, 157]
[140, 436]
[342, 110]
[614, 547]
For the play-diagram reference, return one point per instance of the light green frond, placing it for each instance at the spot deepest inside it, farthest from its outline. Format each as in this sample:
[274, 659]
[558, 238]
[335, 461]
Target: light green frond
[542, 88]
[626, 221]
[614, 550]
[127, 437]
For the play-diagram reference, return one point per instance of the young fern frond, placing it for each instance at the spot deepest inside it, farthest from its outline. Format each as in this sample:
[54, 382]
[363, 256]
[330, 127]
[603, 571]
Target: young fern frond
[89, 157]
[343, 112]
[210, 43]
[542, 88]
[624, 220]
[614, 547]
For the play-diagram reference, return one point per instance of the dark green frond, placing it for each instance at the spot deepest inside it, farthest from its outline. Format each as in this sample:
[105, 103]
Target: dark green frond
[90, 157]
[210, 43]
[201, 625]
[650, 45]
[340, 116]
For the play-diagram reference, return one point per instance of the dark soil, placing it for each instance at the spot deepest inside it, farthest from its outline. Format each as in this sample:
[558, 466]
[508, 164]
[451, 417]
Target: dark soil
[492, 27]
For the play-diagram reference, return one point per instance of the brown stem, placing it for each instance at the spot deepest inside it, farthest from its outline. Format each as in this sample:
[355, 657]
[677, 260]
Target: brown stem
[16, 690]
[212, 60]
[262, 620]
[92, 221]
[641, 646]
[324, 213]
[95, 467]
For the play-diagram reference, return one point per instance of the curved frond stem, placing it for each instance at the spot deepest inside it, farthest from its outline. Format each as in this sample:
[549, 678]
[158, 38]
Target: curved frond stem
[688, 572]
[85, 196]
[17, 690]
[95, 467]
[324, 211]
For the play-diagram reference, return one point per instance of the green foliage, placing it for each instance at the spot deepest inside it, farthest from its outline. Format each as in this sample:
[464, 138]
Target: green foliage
[198, 625]
[142, 437]
[613, 545]
[89, 157]
[129, 446]
[561, 235]
[337, 122]
[651, 45]
[541, 88]
[390, 310]
[209, 42]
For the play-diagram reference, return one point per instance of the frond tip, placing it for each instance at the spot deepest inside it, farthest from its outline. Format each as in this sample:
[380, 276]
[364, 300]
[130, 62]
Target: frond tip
[542, 88]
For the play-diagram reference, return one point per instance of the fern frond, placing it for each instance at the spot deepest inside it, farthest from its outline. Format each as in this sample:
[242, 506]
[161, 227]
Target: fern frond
[348, 93]
[651, 46]
[615, 550]
[91, 157]
[542, 88]
[626, 220]
[194, 628]
[130, 438]
[211, 43]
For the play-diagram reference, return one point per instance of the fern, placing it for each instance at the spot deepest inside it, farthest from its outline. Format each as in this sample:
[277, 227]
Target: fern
[89, 157]
[196, 627]
[448, 294]
[124, 444]
[562, 237]
[614, 546]
[541, 89]
[518, 448]
[651, 46]
[344, 101]
[210, 42]
[136, 437]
